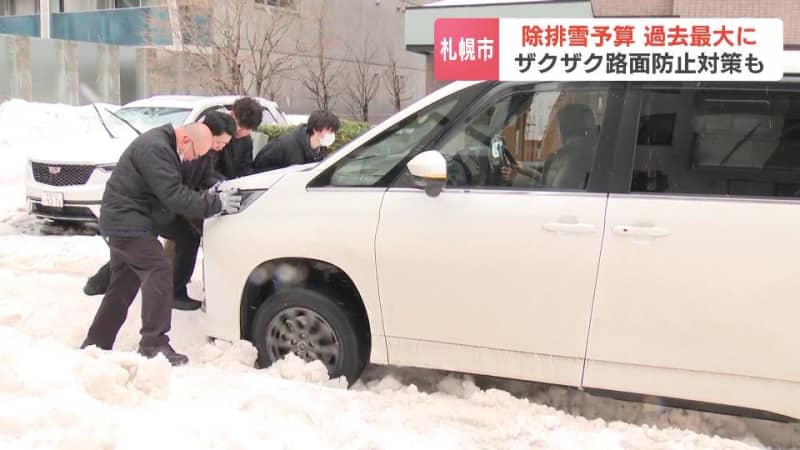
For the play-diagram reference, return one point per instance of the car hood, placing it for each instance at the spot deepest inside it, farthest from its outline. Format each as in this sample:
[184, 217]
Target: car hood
[86, 151]
[265, 180]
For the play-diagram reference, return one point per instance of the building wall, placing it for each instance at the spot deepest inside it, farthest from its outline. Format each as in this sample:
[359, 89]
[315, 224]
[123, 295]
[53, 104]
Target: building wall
[81, 5]
[19, 7]
[91, 5]
[788, 10]
[628, 8]
[349, 27]
[56, 71]
[378, 24]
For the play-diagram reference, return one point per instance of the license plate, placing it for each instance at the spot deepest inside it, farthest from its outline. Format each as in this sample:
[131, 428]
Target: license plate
[53, 199]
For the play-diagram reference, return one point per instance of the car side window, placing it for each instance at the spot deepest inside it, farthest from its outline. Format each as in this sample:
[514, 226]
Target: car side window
[719, 142]
[545, 139]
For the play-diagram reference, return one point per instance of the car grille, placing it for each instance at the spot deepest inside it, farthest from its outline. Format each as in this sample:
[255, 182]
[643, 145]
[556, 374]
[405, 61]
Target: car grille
[67, 212]
[66, 175]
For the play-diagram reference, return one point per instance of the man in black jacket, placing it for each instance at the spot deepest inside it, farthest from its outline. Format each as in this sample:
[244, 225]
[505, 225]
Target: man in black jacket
[146, 184]
[233, 160]
[304, 145]
[236, 159]
[198, 175]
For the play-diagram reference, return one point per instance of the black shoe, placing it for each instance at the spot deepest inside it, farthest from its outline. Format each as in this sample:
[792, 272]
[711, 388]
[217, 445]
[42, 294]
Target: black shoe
[93, 288]
[185, 303]
[174, 358]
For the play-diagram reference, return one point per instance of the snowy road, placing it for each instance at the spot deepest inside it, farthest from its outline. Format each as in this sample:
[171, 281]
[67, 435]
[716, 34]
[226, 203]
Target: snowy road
[56, 396]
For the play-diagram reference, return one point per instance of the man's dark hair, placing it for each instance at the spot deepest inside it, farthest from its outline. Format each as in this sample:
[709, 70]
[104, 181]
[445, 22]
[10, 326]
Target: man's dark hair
[219, 123]
[248, 113]
[319, 120]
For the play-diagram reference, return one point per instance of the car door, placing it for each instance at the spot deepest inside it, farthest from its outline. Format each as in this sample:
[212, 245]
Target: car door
[496, 274]
[697, 296]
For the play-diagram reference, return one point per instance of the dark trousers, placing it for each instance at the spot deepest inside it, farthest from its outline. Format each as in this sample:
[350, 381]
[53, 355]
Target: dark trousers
[187, 240]
[137, 262]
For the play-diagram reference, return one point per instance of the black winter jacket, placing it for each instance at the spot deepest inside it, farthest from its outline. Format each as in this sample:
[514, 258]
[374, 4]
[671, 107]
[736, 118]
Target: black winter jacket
[287, 150]
[199, 174]
[236, 159]
[146, 184]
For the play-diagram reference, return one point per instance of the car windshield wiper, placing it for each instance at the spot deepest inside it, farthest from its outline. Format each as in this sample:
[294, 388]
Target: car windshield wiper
[100, 116]
[124, 121]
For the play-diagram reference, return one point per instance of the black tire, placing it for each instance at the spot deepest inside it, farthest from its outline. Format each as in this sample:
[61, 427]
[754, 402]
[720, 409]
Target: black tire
[297, 306]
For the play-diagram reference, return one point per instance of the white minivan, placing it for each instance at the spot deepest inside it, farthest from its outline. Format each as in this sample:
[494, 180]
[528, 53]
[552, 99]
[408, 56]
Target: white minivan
[637, 238]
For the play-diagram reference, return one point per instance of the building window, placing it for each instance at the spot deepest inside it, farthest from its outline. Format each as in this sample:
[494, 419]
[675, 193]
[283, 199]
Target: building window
[136, 3]
[289, 4]
[18, 8]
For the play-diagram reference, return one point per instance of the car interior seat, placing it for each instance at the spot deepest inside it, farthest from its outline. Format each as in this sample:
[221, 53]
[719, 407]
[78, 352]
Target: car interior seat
[568, 167]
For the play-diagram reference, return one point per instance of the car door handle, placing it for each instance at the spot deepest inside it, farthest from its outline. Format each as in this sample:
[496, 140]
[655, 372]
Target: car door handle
[577, 228]
[630, 230]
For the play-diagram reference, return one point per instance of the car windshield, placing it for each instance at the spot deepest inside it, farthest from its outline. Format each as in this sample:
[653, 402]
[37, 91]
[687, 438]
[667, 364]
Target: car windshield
[147, 117]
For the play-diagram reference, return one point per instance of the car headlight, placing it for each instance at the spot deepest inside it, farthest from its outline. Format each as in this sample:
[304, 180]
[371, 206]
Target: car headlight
[249, 197]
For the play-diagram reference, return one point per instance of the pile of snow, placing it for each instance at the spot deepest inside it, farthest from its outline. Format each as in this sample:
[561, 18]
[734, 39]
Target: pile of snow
[57, 396]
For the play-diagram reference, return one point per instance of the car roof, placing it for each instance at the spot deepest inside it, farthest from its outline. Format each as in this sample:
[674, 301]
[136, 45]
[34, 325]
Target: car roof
[192, 101]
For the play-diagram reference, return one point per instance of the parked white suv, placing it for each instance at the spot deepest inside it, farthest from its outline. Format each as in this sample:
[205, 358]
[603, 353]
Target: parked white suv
[69, 185]
[621, 238]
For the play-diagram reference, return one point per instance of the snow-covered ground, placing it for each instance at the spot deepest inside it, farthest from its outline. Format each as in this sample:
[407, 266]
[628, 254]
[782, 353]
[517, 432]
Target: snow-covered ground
[56, 396]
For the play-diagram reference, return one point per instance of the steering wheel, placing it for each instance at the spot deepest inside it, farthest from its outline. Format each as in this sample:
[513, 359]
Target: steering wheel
[500, 158]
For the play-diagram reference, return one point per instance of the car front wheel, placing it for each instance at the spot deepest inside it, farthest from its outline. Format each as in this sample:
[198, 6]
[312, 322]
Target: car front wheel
[312, 325]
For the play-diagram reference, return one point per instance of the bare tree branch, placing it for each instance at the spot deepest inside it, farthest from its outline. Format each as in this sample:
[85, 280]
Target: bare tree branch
[266, 63]
[364, 80]
[227, 51]
[396, 83]
[321, 76]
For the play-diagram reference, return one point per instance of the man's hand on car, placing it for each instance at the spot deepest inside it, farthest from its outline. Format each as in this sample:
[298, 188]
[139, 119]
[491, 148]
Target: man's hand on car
[215, 189]
[231, 200]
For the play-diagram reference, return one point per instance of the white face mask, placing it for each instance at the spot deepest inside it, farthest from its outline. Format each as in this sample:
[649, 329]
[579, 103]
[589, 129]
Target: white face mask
[327, 140]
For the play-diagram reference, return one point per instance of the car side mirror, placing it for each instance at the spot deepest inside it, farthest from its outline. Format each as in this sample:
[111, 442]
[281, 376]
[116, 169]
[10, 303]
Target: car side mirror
[429, 172]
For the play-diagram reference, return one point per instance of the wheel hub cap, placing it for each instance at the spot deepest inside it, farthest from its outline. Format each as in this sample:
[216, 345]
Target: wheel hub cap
[306, 334]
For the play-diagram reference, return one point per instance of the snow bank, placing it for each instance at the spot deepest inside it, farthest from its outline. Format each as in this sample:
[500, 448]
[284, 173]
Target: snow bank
[123, 378]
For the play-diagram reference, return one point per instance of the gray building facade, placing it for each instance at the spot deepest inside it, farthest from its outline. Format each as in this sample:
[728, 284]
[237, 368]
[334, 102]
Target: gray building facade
[151, 48]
